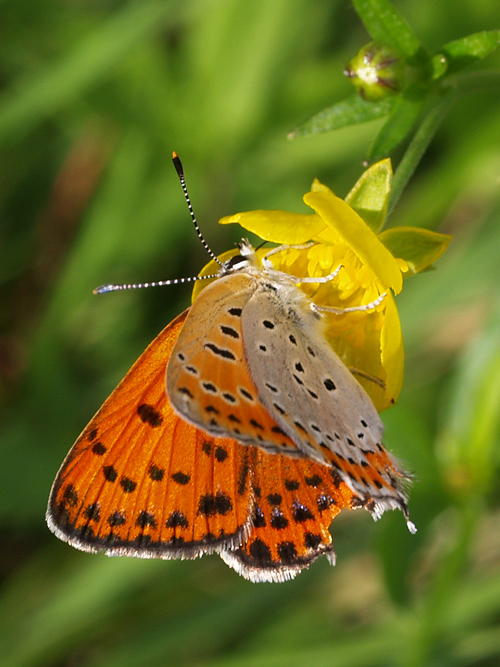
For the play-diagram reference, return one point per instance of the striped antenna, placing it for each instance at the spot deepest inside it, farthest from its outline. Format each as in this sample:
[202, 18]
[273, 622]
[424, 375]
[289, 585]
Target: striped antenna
[158, 283]
[180, 172]
[103, 289]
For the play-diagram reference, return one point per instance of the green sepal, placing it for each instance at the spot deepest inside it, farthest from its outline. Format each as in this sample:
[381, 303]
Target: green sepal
[420, 248]
[370, 196]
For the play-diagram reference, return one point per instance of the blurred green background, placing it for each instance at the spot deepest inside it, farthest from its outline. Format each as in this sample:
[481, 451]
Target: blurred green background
[95, 96]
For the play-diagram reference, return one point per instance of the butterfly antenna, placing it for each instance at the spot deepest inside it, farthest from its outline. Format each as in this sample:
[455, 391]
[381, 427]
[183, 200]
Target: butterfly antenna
[176, 281]
[157, 283]
[180, 172]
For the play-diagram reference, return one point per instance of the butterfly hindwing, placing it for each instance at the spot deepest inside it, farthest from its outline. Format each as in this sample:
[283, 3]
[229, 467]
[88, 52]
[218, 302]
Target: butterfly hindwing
[314, 398]
[295, 502]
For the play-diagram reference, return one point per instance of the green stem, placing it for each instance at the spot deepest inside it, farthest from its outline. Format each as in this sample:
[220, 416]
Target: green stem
[418, 145]
[452, 88]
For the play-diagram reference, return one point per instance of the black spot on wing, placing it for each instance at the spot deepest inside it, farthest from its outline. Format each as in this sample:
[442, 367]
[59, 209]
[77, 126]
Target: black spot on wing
[146, 519]
[92, 512]
[149, 415]
[246, 394]
[128, 485]
[220, 351]
[181, 478]
[70, 495]
[229, 331]
[110, 473]
[177, 520]
[274, 499]
[287, 552]
[324, 502]
[260, 552]
[278, 520]
[98, 448]
[221, 454]
[312, 541]
[259, 520]
[117, 519]
[210, 504]
[156, 474]
[301, 513]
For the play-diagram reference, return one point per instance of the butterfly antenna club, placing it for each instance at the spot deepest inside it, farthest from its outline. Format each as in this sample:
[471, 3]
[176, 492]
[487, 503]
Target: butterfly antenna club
[180, 172]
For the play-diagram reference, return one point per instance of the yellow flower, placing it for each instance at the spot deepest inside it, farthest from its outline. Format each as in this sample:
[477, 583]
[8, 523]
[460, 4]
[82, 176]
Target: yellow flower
[344, 234]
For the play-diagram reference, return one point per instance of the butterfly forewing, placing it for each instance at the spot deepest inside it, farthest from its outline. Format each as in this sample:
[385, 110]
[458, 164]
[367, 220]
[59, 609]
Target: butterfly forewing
[208, 376]
[126, 488]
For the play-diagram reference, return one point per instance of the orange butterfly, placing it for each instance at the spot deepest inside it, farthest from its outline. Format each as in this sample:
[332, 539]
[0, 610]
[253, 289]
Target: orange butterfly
[140, 481]
[168, 467]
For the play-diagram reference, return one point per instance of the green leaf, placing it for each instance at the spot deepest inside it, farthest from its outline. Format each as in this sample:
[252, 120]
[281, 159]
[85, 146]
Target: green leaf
[352, 111]
[468, 50]
[407, 109]
[387, 26]
[456, 56]
[370, 196]
[418, 247]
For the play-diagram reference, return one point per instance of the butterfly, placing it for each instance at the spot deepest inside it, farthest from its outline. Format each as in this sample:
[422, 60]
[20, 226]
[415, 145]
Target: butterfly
[238, 431]
[140, 481]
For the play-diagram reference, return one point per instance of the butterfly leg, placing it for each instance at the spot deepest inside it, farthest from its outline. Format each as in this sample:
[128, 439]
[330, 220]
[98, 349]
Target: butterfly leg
[367, 376]
[282, 248]
[297, 279]
[352, 309]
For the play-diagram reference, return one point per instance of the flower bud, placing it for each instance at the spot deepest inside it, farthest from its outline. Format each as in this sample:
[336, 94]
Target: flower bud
[376, 71]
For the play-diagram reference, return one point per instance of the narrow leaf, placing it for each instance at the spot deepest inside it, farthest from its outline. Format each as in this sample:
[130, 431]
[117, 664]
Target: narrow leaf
[352, 111]
[388, 27]
[470, 49]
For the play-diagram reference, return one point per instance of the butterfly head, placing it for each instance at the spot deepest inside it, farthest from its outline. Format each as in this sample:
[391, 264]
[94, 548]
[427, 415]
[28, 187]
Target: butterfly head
[245, 259]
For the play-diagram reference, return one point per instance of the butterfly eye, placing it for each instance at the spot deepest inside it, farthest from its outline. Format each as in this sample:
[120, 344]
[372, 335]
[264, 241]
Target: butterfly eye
[236, 263]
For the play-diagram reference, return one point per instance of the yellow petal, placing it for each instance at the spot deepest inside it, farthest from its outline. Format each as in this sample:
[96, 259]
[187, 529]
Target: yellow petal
[392, 351]
[279, 226]
[358, 236]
